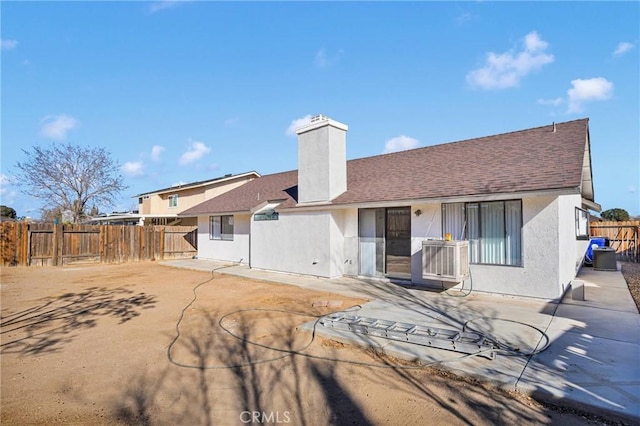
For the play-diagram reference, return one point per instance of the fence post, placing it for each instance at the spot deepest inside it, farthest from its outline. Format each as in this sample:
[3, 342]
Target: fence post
[57, 244]
[161, 248]
[25, 252]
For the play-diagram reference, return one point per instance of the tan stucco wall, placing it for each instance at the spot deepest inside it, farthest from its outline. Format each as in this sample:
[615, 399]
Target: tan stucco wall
[188, 197]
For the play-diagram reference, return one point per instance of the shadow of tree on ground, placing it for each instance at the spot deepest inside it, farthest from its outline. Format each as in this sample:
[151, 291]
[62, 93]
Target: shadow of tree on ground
[218, 378]
[47, 327]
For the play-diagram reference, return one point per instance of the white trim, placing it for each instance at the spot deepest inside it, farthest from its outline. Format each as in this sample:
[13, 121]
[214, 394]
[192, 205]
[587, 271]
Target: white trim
[265, 207]
[415, 201]
[236, 212]
[591, 205]
[132, 216]
[325, 121]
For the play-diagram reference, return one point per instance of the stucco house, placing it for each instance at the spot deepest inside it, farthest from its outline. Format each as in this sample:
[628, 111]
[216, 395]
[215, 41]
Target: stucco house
[161, 206]
[517, 202]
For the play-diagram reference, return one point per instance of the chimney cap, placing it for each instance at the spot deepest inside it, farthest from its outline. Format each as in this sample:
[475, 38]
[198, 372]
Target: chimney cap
[319, 117]
[321, 120]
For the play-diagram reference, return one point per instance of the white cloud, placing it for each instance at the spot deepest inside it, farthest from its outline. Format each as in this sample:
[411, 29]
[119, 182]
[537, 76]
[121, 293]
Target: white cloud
[623, 47]
[463, 18]
[505, 70]
[553, 102]
[156, 150]
[57, 126]
[632, 189]
[8, 44]
[592, 89]
[7, 193]
[231, 121]
[323, 60]
[133, 168]
[400, 143]
[195, 152]
[295, 124]
[165, 4]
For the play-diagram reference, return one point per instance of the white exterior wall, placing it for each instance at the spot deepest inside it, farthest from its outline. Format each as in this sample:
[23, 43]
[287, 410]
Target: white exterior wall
[571, 249]
[550, 251]
[426, 226]
[325, 244]
[539, 275]
[228, 251]
[351, 246]
[308, 243]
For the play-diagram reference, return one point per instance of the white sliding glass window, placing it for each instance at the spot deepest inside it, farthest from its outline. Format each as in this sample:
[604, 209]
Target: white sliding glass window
[493, 228]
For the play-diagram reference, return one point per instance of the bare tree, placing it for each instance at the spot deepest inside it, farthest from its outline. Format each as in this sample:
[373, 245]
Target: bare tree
[70, 177]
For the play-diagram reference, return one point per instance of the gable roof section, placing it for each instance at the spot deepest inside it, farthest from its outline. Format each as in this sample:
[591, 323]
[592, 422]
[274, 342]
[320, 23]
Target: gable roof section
[539, 159]
[528, 160]
[250, 195]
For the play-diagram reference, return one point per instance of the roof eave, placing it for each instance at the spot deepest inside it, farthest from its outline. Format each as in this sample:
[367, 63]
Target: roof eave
[591, 205]
[453, 199]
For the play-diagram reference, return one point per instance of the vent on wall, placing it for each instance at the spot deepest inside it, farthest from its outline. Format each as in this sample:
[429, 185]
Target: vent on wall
[445, 260]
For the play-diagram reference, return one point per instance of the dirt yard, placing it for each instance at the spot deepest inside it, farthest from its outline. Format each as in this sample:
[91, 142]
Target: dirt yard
[128, 344]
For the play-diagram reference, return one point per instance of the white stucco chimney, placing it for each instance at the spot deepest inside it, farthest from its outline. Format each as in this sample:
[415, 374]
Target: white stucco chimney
[322, 160]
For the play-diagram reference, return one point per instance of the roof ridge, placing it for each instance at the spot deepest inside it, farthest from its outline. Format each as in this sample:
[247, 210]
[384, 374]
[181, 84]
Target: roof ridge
[441, 144]
[586, 119]
[199, 182]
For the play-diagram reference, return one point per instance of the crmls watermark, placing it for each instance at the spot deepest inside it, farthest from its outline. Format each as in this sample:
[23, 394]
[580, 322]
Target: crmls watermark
[265, 417]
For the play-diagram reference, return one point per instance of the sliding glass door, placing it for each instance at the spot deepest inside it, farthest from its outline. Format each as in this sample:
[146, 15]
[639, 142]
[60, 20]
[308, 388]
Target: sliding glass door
[371, 233]
[385, 242]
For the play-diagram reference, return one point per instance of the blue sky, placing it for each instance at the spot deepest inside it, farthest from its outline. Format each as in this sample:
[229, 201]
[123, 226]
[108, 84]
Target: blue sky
[187, 91]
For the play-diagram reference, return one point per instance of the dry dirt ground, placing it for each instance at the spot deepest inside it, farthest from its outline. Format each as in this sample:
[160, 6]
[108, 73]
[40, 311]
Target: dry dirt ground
[129, 344]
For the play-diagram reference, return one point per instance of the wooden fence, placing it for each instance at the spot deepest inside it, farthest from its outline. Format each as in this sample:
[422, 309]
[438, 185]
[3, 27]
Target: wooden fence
[31, 244]
[623, 236]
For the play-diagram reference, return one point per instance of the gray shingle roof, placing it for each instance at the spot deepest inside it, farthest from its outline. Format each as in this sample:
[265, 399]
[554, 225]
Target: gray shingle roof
[535, 159]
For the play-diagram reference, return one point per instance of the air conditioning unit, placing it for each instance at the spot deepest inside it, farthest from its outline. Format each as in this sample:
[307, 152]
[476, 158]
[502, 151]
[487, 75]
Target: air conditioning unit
[445, 260]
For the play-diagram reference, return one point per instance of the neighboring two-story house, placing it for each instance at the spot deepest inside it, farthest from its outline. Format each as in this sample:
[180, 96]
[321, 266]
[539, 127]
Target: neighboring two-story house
[161, 207]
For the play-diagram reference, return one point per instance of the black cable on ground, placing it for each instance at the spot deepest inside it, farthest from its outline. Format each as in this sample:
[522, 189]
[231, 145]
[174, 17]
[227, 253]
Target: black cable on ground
[463, 294]
[503, 346]
[300, 352]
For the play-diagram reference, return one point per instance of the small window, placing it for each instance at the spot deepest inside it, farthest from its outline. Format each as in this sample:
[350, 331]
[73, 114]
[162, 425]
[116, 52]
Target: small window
[173, 200]
[582, 224]
[266, 215]
[221, 228]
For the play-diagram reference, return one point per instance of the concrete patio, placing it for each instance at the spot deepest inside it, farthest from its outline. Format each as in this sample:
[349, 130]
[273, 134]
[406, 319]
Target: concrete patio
[580, 353]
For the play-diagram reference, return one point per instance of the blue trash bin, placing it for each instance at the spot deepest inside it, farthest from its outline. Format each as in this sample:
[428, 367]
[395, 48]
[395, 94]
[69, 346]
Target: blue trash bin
[594, 242]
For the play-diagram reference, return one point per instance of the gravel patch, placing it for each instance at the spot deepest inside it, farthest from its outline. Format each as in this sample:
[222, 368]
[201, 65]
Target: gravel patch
[631, 273]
